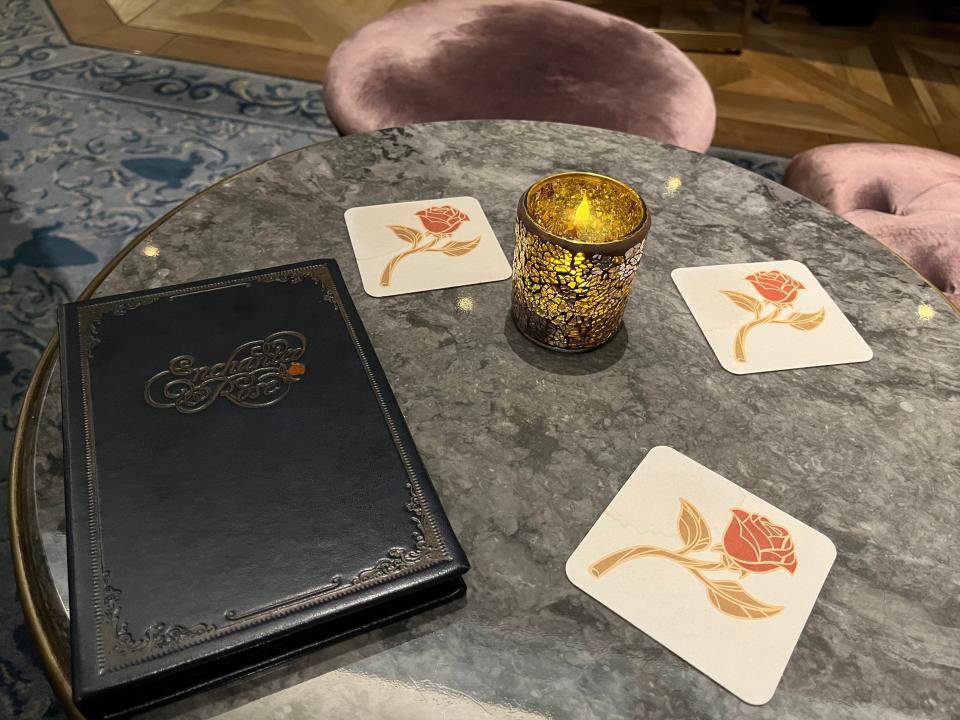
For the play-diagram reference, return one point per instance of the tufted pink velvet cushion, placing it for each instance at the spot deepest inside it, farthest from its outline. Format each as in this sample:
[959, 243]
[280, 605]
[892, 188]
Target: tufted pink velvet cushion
[515, 60]
[906, 197]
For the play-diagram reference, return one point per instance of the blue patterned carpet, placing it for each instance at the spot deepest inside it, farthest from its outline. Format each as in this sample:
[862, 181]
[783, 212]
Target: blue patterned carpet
[771, 167]
[95, 145]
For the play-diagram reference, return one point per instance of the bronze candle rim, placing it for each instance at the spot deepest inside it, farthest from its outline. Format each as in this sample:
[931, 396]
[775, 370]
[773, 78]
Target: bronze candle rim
[613, 247]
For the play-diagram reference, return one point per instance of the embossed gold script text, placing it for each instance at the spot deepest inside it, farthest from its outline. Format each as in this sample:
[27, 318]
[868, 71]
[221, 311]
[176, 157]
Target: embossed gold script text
[258, 373]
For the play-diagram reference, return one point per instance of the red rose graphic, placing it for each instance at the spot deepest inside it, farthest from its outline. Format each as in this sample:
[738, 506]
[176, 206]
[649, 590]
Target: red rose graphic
[755, 544]
[752, 544]
[442, 219]
[778, 289]
[775, 286]
[440, 223]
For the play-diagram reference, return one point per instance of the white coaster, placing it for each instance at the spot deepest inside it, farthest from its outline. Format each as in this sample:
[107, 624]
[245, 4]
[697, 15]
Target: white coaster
[424, 245]
[767, 316]
[715, 574]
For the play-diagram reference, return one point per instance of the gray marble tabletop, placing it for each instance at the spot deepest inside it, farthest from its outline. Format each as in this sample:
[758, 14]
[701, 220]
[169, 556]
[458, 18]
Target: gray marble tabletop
[527, 446]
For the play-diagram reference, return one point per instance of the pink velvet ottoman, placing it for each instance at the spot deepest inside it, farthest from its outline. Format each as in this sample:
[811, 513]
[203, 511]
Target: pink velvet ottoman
[517, 60]
[907, 197]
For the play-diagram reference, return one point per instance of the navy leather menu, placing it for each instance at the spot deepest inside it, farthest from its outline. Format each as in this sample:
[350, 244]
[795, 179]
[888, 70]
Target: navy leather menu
[240, 484]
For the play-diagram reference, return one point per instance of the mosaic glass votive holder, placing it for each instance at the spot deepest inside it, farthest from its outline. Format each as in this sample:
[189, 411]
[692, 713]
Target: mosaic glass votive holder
[579, 241]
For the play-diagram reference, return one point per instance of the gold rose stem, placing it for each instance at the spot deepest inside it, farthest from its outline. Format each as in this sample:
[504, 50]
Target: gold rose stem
[606, 564]
[738, 349]
[391, 266]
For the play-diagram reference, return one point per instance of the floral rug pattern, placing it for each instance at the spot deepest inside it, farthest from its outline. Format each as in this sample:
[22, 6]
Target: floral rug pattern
[94, 146]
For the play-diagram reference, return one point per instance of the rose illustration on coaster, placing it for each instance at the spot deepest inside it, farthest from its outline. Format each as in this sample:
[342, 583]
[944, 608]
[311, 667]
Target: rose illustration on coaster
[777, 289]
[751, 544]
[439, 222]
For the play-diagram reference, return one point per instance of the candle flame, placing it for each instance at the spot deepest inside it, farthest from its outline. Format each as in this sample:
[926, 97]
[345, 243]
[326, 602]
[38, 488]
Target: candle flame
[581, 215]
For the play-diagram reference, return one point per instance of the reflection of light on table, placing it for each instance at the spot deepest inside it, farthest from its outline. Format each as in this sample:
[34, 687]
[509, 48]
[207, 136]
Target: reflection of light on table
[150, 250]
[465, 304]
[672, 184]
[925, 312]
[374, 697]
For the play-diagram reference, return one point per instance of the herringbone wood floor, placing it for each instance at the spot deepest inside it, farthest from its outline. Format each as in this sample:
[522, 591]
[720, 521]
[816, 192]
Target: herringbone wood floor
[798, 84]
[795, 85]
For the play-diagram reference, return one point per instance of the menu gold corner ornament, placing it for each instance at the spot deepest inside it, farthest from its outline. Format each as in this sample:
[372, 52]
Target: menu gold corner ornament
[750, 544]
[257, 373]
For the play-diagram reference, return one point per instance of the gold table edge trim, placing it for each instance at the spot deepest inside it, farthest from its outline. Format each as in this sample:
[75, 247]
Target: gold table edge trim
[58, 675]
[27, 425]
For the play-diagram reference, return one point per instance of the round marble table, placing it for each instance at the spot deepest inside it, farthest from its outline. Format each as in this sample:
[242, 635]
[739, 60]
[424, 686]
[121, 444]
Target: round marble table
[527, 446]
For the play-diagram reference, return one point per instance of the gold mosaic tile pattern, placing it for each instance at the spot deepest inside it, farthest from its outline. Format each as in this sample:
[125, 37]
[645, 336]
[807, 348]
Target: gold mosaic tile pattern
[567, 300]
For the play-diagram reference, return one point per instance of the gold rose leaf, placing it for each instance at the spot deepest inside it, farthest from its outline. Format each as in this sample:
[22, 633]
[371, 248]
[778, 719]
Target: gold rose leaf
[804, 321]
[693, 528]
[407, 234]
[459, 247]
[744, 301]
[730, 598]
